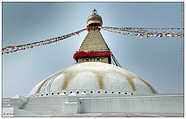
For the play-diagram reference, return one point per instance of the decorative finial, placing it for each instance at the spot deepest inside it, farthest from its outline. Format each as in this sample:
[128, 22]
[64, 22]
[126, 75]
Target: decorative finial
[94, 12]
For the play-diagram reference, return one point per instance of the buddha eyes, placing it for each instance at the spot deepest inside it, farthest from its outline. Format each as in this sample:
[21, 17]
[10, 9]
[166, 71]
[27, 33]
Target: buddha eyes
[98, 59]
[85, 59]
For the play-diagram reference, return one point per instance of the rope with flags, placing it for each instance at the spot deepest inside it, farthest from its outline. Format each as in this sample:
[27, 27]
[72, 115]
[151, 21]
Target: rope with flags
[12, 49]
[129, 31]
[147, 32]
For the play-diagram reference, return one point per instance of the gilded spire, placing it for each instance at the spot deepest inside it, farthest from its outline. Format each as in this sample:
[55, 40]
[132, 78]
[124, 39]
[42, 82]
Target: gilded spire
[94, 47]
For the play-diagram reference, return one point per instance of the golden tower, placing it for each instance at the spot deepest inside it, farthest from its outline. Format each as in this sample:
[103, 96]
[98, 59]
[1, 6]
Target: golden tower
[94, 47]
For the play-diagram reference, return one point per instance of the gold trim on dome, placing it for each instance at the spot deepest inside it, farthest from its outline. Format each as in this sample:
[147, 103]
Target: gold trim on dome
[38, 90]
[128, 78]
[152, 89]
[51, 76]
[70, 75]
[100, 80]
[101, 83]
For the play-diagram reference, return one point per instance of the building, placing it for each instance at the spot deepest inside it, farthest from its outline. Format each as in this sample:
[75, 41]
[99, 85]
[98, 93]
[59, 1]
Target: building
[95, 86]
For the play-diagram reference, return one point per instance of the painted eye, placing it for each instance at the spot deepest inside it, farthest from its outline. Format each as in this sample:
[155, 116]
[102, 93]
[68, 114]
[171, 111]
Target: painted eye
[85, 59]
[98, 59]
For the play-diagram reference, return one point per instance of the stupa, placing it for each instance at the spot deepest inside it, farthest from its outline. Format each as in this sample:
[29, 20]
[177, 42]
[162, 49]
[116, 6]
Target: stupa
[94, 70]
[94, 86]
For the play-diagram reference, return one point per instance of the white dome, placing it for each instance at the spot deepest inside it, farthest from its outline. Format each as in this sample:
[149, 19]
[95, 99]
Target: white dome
[94, 76]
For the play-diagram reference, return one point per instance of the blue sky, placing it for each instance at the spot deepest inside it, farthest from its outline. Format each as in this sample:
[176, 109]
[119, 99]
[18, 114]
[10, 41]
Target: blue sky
[159, 62]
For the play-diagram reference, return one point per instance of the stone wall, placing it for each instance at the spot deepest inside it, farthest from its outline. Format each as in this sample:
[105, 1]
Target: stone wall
[164, 104]
[61, 104]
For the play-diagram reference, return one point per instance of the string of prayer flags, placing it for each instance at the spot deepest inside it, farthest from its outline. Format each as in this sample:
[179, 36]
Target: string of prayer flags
[147, 32]
[12, 49]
